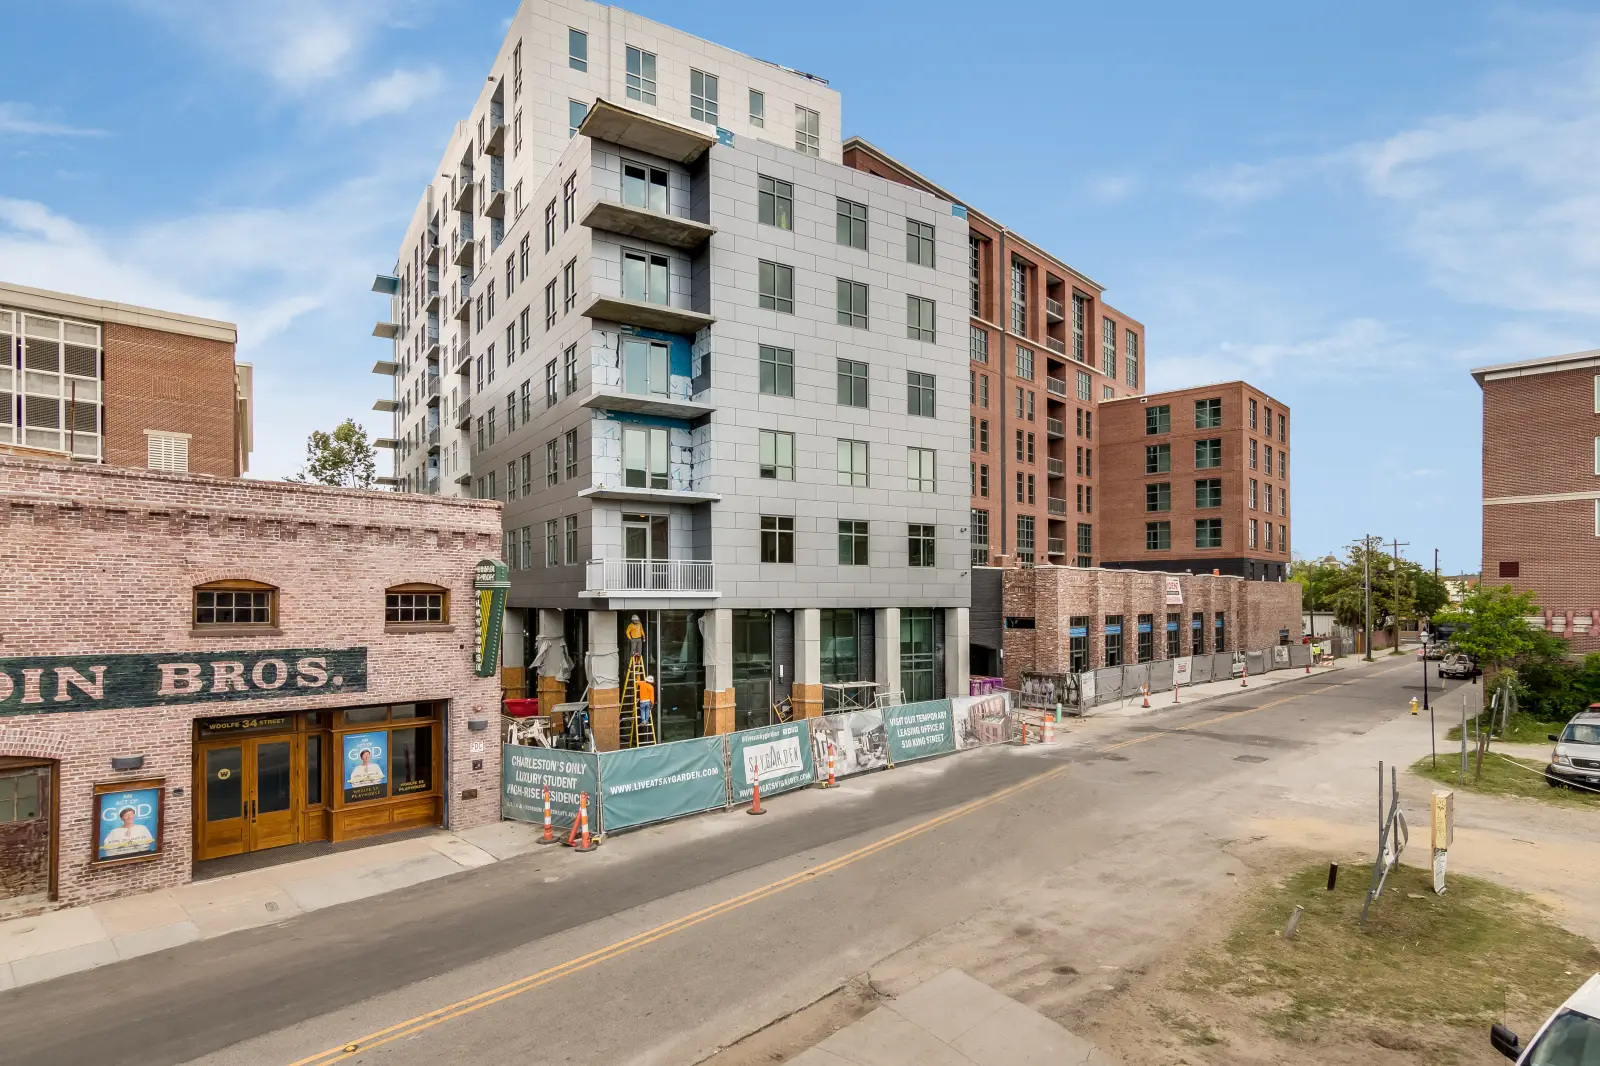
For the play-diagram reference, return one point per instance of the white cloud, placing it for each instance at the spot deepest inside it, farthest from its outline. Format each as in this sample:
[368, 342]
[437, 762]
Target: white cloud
[1112, 188]
[19, 119]
[394, 93]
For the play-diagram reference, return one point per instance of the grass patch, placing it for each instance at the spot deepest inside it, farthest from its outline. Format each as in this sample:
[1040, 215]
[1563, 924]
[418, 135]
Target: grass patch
[1502, 776]
[1525, 729]
[1463, 959]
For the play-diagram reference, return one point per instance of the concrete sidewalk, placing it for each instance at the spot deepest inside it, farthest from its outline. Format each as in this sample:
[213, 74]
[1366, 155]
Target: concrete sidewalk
[55, 943]
[953, 1020]
[1213, 690]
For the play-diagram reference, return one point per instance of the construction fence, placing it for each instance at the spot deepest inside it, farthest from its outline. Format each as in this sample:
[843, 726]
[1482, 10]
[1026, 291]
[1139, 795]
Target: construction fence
[659, 782]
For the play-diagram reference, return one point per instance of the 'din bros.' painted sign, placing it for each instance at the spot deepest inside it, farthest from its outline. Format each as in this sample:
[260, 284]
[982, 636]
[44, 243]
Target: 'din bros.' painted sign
[48, 684]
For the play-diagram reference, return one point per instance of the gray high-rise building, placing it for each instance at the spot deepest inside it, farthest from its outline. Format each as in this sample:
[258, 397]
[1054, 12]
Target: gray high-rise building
[716, 377]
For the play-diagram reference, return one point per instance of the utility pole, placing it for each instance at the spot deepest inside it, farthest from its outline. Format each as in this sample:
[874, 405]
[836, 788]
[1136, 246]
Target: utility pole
[1394, 592]
[1366, 585]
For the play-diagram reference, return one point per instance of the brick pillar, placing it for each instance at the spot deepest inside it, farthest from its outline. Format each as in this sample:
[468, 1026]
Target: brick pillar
[605, 694]
[719, 717]
[807, 694]
[886, 656]
[957, 641]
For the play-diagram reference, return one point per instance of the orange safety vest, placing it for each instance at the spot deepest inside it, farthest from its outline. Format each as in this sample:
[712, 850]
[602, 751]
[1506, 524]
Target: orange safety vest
[647, 692]
[635, 631]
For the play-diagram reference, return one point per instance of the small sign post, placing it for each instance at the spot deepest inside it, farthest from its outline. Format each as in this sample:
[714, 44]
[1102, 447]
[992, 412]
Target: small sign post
[1443, 810]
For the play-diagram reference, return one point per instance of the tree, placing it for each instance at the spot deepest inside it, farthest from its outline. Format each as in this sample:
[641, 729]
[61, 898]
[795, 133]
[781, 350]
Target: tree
[344, 458]
[1432, 595]
[1492, 626]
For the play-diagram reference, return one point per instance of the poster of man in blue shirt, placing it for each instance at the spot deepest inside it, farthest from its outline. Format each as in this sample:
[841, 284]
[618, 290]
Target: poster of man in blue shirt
[366, 760]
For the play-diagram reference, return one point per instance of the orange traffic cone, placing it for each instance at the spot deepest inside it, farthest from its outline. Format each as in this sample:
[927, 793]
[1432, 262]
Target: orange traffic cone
[1146, 690]
[831, 781]
[1049, 728]
[549, 834]
[585, 843]
[755, 781]
[1244, 676]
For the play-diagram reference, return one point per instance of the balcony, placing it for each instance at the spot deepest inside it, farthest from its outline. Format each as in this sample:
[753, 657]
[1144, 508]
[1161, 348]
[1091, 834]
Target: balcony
[1056, 386]
[385, 367]
[643, 225]
[430, 303]
[463, 361]
[433, 438]
[611, 398]
[464, 253]
[1058, 467]
[387, 330]
[433, 486]
[1058, 505]
[647, 315]
[1053, 311]
[431, 255]
[632, 129]
[1056, 344]
[650, 578]
[386, 285]
[495, 143]
[463, 478]
[430, 388]
[464, 414]
[1058, 546]
[385, 442]
[1054, 428]
[626, 494]
[463, 198]
[385, 406]
[464, 309]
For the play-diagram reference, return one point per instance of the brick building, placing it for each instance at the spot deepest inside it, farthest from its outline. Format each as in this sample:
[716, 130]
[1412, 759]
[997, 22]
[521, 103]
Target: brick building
[193, 667]
[123, 385]
[1197, 480]
[1060, 619]
[1045, 350]
[1541, 487]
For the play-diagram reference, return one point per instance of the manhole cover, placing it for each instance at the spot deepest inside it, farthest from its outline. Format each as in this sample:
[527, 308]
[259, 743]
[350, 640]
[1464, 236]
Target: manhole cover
[1249, 758]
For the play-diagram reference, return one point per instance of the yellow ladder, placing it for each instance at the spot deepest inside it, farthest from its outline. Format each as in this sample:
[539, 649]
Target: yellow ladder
[634, 732]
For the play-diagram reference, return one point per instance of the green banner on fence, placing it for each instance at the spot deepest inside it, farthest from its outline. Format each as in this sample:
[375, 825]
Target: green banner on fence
[919, 730]
[660, 781]
[526, 772]
[781, 755]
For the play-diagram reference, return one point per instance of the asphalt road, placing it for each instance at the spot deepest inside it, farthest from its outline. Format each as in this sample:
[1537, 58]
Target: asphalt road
[673, 942]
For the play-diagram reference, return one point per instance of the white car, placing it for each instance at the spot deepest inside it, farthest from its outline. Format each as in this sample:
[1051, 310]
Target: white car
[1569, 1037]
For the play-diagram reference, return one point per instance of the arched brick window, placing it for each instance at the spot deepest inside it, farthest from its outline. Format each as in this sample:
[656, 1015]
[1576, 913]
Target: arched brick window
[416, 604]
[235, 603]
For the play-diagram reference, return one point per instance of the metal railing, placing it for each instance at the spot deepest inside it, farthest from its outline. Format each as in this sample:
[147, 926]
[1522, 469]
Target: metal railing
[433, 486]
[433, 436]
[650, 575]
[1056, 385]
[1058, 546]
[1055, 427]
[1058, 505]
[430, 387]
[1056, 345]
[1058, 467]
[1053, 309]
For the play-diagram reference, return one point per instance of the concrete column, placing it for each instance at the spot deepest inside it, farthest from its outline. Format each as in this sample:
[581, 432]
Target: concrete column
[886, 656]
[513, 677]
[719, 708]
[550, 689]
[807, 694]
[957, 642]
[605, 694]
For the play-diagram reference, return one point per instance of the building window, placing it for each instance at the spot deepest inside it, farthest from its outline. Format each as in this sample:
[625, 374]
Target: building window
[983, 434]
[552, 544]
[980, 538]
[1221, 643]
[983, 479]
[758, 108]
[162, 451]
[1255, 538]
[1253, 487]
[490, 416]
[1172, 634]
[577, 111]
[774, 202]
[570, 536]
[1108, 348]
[1080, 315]
[777, 539]
[550, 305]
[777, 371]
[1253, 465]
[1025, 538]
[1157, 420]
[550, 393]
[572, 453]
[1019, 297]
[549, 225]
[235, 603]
[852, 543]
[852, 383]
[1208, 533]
[1208, 453]
[1252, 408]
[983, 391]
[852, 463]
[1085, 391]
[807, 131]
[511, 412]
[776, 287]
[919, 318]
[920, 390]
[850, 223]
[1158, 496]
[1208, 493]
[569, 202]
[919, 469]
[416, 605]
[919, 543]
[1197, 633]
[1024, 364]
[1283, 429]
[1157, 536]
[578, 49]
[1269, 536]
[1085, 543]
[552, 461]
[1078, 643]
[777, 455]
[703, 96]
[1113, 633]
[974, 275]
[1208, 414]
[569, 369]
[641, 76]
[1157, 458]
[644, 278]
[978, 344]
[1269, 499]
[644, 457]
[644, 187]
[919, 242]
[852, 297]
[1130, 353]
[644, 367]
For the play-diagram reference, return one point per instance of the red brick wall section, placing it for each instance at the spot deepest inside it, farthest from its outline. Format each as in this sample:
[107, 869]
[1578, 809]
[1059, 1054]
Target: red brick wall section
[1255, 612]
[1558, 557]
[100, 560]
[173, 383]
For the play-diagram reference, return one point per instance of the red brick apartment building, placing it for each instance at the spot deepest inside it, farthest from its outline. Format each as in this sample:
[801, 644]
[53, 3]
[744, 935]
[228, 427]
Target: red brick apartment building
[104, 382]
[1197, 480]
[1541, 487]
[1046, 350]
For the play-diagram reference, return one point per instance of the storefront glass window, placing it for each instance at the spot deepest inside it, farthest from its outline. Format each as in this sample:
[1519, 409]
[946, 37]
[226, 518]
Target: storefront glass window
[366, 714]
[752, 668]
[918, 655]
[313, 769]
[411, 760]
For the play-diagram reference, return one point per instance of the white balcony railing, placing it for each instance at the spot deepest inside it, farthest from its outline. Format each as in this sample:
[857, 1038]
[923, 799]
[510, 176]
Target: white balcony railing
[612, 576]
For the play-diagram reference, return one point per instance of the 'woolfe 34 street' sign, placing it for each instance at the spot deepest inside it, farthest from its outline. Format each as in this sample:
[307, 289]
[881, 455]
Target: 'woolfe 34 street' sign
[47, 684]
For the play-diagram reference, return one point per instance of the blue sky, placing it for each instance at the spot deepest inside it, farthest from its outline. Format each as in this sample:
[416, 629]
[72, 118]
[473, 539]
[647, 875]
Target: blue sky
[1348, 205]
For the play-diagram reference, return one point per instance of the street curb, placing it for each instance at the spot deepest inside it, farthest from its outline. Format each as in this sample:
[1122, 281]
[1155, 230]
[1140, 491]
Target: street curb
[1195, 701]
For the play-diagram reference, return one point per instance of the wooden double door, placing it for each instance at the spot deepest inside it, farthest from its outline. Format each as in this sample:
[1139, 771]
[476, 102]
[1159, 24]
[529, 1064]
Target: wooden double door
[248, 795]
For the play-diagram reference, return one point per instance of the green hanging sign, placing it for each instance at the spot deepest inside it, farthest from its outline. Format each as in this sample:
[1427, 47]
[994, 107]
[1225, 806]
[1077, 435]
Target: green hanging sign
[491, 579]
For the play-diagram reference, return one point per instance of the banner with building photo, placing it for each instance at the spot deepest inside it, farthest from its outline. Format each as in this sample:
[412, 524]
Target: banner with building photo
[525, 772]
[859, 743]
[656, 782]
[919, 730]
[983, 720]
[779, 754]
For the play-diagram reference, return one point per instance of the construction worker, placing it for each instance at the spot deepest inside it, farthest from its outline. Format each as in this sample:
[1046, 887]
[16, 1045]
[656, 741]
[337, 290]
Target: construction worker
[635, 635]
[647, 698]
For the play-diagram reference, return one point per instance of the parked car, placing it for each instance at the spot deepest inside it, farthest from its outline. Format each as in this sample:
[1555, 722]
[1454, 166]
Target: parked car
[1433, 650]
[1569, 1037]
[1458, 664]
[1576, 758]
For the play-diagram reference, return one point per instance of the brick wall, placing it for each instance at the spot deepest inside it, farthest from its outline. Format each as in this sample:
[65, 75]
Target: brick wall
[1254, 611]
[100, 560]
[173, 383]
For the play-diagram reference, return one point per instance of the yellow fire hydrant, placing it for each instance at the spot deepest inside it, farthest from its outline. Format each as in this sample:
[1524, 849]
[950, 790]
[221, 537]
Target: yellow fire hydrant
[1413, 705]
